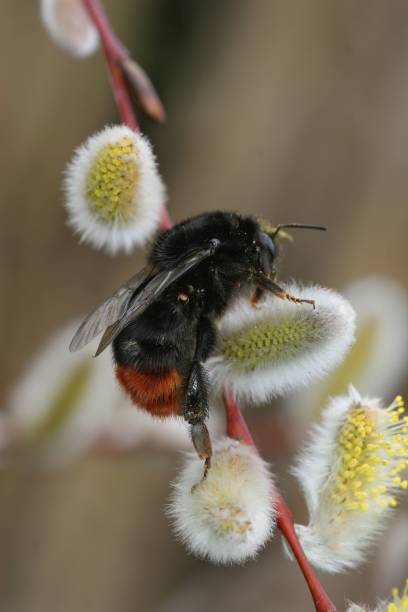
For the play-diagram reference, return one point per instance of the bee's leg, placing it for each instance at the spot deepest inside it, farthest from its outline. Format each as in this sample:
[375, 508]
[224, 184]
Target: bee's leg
[196, 412]
[266, 283]
[256, 296]
[195, 409]
[202, 444]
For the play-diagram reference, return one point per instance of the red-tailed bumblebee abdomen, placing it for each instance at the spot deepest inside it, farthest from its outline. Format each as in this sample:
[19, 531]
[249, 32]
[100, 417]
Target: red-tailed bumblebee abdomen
[158, 393]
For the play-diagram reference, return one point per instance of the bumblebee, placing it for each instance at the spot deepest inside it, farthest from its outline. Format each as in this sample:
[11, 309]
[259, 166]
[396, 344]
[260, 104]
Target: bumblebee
[161, 323]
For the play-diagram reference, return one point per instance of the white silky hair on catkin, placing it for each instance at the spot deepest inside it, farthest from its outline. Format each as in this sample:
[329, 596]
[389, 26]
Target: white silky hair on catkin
[44, 378]
[69, 26]
[376, 362]
[329, 546]
[101, 411]
[334, 319]
[131, 427]
[148, 199]
[382, 303]
[315, 459]
[229, 516]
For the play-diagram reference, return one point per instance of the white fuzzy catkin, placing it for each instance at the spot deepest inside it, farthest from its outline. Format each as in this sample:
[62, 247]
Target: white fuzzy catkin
[399, 603]
[114, 193]
[228, 516]
[130, 427]
[64, 400]
[350, 473]
[381, 305]
[279, 346]
[69, 26]
[65, 403]
[376, 362]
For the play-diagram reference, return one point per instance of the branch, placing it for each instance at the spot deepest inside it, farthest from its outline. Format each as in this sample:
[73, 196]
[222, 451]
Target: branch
[115, 54]
[237, 428]
[127, 78]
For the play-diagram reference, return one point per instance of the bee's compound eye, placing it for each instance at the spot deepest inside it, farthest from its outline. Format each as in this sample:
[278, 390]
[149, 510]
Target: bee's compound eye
[183, 297]
[267, 243]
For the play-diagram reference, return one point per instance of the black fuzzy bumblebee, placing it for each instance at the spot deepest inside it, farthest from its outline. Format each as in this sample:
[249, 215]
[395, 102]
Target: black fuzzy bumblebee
[162, 321]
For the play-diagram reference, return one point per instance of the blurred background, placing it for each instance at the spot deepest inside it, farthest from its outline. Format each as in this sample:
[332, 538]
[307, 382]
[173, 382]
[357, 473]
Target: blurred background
[296, 111]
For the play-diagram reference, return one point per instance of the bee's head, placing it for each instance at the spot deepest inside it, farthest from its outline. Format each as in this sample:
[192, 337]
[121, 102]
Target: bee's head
[267, 243]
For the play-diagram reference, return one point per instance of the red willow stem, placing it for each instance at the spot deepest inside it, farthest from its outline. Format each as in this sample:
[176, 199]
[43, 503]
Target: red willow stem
[237, 428]
[115, 54]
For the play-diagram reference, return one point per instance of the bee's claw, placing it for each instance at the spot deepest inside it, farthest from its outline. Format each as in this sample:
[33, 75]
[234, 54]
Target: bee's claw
[207, 465]
[296, 300]
[284, 295]
[270, 285]
[202, 444]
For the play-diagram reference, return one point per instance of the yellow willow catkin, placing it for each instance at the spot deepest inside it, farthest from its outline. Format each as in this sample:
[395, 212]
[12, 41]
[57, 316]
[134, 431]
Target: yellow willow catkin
[372, 450]
[111, 181]
[114, 195]
[400, 602]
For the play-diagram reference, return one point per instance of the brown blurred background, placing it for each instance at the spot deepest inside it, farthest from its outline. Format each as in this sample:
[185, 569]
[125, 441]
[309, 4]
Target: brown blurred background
[294, 110]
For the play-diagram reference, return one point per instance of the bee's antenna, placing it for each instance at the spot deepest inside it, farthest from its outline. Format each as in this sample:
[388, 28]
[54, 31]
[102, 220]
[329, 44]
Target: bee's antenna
[297, 225]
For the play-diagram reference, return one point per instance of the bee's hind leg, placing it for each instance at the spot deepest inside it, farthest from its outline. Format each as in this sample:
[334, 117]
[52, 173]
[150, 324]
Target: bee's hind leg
[267, 284]
[202, 444]
[196, 412]
[195, 408]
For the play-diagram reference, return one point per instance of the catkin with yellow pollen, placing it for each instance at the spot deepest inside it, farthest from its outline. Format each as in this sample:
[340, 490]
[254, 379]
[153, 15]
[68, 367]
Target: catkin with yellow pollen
[256, 345]
[228, 516]
[114, 194]
[399, 603]
[372, 446]
[112, 180]
[352, 474]
[400, 600]
[278, 346]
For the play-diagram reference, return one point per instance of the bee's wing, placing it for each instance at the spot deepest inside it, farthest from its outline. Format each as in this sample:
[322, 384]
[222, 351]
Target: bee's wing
[113, 309]
[152, 290]
[130, 300]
